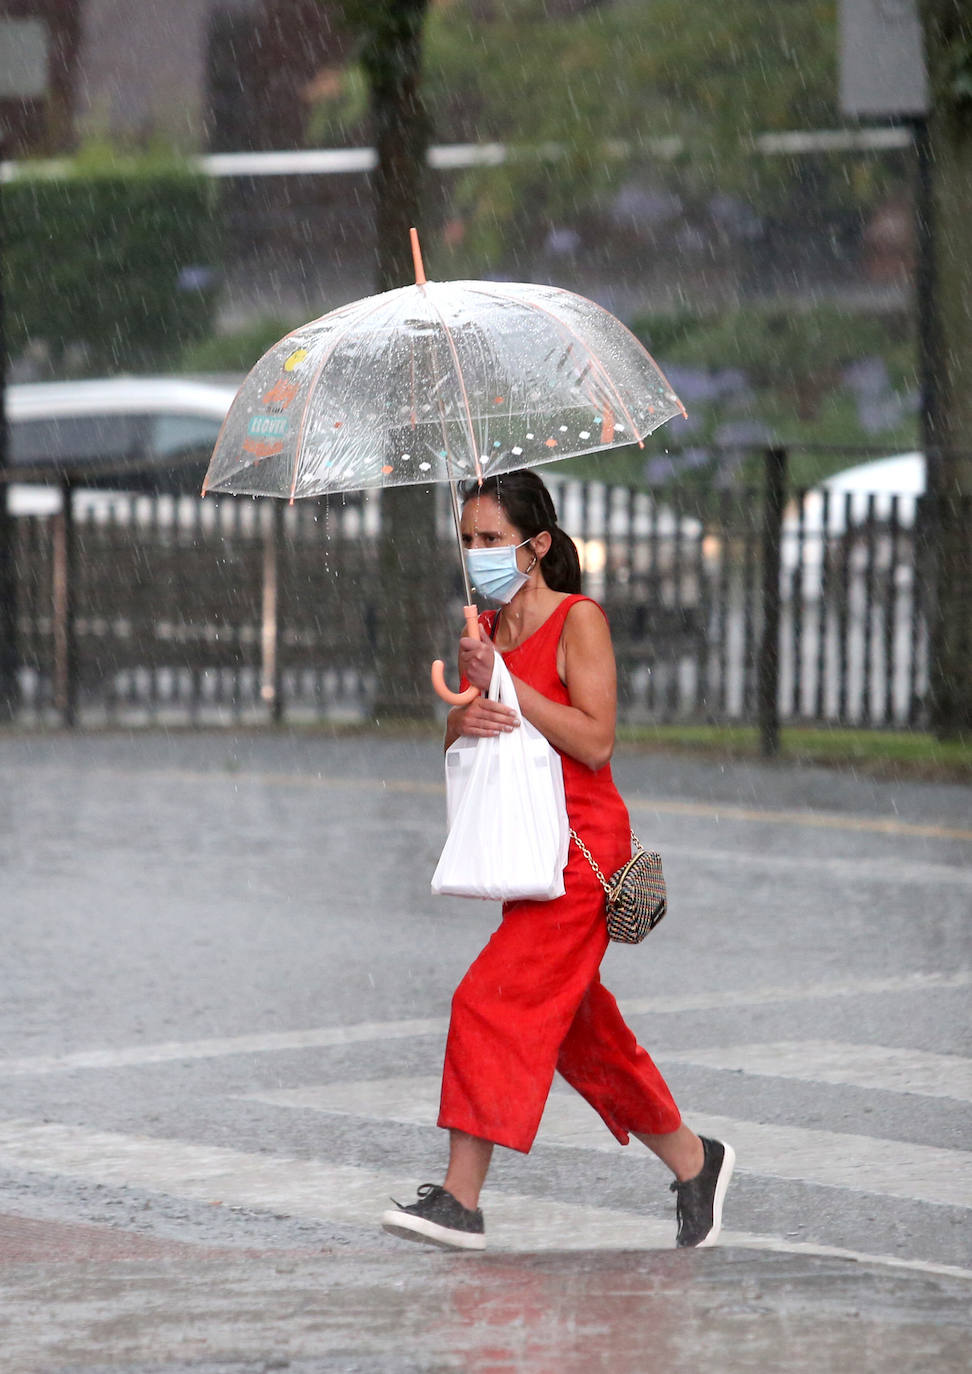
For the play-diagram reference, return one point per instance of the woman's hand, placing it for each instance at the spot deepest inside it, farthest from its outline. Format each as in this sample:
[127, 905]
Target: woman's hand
[476, 661]
[481, 718]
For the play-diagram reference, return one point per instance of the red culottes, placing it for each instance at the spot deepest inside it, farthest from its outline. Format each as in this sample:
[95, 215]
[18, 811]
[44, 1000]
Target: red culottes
[533, 1002]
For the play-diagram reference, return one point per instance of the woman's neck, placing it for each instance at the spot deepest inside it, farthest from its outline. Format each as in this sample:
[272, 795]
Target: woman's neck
[531, 606]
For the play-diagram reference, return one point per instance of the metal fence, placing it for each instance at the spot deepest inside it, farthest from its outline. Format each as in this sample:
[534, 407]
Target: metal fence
[731, 608]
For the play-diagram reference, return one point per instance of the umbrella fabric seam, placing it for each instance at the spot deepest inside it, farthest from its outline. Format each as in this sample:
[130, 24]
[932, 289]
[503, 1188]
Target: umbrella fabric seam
[299, 447]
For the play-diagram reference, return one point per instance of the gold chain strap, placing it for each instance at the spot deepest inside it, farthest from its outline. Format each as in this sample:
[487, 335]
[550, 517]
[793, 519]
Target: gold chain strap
[593, 862]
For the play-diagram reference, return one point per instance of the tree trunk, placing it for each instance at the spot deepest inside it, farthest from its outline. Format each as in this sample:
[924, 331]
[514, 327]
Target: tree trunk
[412, 586]
[948, 49]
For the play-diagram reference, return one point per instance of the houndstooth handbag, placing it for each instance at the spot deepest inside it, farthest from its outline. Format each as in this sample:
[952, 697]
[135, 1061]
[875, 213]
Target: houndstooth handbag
[635, 896]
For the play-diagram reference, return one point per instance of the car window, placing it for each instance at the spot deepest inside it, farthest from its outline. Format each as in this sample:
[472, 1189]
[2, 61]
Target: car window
[77, 438]
[182, 436]
[101, 438]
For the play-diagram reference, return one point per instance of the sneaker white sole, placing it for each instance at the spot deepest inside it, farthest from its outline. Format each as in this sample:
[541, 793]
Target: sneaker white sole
[722, 1184]
[410, 1227]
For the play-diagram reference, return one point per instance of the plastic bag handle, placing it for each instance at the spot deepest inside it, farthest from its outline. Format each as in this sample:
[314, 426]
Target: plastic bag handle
[438, 667]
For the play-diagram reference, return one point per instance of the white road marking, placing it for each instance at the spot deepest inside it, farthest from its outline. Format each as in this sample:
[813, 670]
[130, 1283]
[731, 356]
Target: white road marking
[349, 1195]
[664, 806]
[269, 1042]
[877, 1067]
[832, 1159]
[322, 1037]
[805, 992]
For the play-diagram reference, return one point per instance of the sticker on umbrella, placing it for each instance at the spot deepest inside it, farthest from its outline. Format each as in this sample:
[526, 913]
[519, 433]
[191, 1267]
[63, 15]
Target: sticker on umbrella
[438, 382]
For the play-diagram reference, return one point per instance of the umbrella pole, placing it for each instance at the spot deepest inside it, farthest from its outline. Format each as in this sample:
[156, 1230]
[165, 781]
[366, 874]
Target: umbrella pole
[457, 522]
[470, 612]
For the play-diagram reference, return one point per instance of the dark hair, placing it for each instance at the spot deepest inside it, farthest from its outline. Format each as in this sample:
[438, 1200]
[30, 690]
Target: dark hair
[528, 506]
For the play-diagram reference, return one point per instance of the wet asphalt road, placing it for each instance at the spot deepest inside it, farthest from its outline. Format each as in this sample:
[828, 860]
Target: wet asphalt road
[222, 1009]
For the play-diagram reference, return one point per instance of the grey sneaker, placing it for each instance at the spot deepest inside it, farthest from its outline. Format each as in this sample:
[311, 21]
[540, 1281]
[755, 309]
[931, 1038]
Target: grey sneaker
[699, 1200]
[437, 1219]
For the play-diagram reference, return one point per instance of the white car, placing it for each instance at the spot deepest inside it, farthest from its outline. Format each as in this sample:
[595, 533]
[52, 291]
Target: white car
[902, 475]
[851, 495]
[871, 484]
[140, 432]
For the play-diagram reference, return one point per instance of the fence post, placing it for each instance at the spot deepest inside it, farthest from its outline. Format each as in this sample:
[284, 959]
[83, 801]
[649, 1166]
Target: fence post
[270, 629]
[9, 652]
[9, 656]
[768, 668]
[63, 579]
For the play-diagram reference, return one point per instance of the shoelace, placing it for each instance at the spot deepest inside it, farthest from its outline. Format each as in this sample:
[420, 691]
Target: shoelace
[676, 1187]
[424, 1190]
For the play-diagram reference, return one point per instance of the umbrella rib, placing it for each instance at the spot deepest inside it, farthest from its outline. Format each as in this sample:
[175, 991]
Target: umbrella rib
[634, 338]
[461, 379]
[451, 480]
[310, 390]
[252, 463]
[219, 436]
[605, 375]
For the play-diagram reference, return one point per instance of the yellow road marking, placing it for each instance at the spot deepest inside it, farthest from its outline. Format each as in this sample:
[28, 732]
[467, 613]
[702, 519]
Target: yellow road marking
[826, 820]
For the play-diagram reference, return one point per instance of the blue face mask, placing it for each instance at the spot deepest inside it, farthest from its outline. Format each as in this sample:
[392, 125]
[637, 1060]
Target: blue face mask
[494, 572]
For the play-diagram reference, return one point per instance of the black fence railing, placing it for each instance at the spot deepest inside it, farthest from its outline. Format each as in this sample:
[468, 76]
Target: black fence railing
[732, 606]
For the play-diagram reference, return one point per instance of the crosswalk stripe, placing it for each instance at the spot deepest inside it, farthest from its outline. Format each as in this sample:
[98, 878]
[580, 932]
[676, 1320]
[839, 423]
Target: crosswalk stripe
[322, 1037]
[349, 1194]
[832, 1159]
[268, 1042]
[805, 992]
[874, 1067]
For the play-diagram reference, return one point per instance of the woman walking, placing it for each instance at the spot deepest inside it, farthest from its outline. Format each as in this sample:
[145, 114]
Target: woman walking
[533, 1002]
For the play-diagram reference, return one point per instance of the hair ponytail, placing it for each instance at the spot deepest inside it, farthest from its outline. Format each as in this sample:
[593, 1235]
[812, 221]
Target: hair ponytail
[529, 508]
[561, 564]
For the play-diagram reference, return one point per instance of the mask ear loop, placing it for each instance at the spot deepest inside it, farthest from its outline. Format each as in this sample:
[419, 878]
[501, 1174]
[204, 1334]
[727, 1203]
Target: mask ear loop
[536, 559]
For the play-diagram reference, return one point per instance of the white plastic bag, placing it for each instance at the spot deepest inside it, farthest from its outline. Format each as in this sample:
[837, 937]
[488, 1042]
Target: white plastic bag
[508, 829]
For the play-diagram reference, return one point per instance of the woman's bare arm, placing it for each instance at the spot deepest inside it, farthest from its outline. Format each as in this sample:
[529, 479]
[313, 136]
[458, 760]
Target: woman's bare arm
[585, 728]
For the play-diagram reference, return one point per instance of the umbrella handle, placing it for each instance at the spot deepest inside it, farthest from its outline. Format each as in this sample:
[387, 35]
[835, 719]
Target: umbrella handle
[438, 667]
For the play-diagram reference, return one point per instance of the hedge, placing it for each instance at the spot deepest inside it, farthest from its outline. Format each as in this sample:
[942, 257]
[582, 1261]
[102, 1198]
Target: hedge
[118, 259]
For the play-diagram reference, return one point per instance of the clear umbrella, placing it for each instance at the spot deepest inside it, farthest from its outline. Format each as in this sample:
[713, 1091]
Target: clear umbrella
[438, 382]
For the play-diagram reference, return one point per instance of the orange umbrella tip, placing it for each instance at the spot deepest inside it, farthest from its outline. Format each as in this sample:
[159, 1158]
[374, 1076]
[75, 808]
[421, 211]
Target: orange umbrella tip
[417, 258]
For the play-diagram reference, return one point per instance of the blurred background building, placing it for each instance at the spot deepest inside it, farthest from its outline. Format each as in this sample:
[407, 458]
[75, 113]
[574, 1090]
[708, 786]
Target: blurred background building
[200, 74]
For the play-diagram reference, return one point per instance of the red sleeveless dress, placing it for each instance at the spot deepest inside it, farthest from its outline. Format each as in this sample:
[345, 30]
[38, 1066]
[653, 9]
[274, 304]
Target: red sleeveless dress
[532, 1002]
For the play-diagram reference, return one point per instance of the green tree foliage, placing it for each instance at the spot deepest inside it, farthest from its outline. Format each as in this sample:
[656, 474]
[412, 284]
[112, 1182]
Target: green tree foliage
[524, 71]
[794, 363]
[534, 73]
[630, 69]
[100, 259]
[790, 387]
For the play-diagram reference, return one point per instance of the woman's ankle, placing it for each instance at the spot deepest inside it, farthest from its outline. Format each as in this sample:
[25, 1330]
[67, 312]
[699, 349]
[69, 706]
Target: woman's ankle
[465, 1195]
[682, 1150]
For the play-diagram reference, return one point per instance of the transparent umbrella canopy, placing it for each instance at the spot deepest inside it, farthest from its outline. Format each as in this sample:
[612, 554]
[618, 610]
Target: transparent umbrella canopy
[437, 382]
